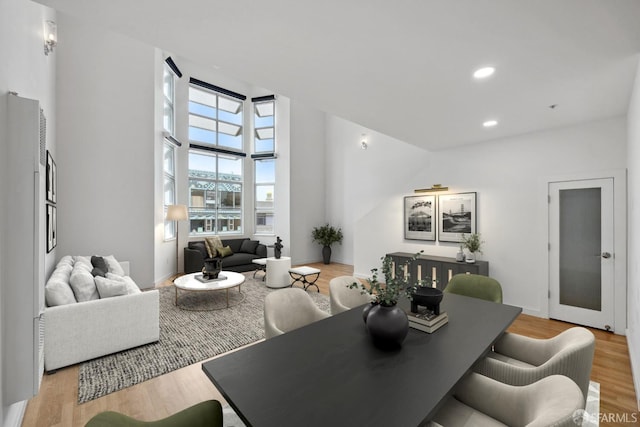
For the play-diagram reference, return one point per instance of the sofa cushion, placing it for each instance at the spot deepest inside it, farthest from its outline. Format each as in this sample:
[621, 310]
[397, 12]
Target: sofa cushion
[225, 252]
[58, 291]
[113, 265]
[234, 244]
[82, 283]
[249, 246]
[238, 259]
[108, 288]
[213, 244]
[200, 247]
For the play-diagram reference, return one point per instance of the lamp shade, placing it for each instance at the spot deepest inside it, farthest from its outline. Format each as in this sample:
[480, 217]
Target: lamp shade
[177, 213]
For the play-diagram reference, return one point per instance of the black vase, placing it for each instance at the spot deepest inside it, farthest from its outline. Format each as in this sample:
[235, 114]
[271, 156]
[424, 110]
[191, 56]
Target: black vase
[365, 311]
[388, 326]
[326, 254]
[212, 268]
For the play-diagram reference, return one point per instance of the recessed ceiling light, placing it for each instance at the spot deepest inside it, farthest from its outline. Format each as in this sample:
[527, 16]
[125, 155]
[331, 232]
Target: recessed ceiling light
[483, 73]
[490, 123]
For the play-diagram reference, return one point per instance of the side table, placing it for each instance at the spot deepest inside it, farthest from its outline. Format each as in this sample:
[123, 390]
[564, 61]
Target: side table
[278, 272]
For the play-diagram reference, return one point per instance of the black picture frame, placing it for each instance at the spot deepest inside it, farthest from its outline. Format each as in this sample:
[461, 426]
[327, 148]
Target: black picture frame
[457, 215]
[420, 217]
[52, 240]
[51, 179]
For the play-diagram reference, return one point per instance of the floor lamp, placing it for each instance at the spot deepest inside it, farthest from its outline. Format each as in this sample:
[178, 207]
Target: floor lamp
[177, 213]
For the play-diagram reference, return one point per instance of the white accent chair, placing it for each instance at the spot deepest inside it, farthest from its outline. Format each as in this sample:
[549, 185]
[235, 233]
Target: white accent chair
[480, 401]
[342, 298]
[520, 360]
[289, 309]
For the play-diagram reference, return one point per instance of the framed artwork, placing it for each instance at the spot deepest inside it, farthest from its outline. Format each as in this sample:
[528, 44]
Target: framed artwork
[456, 216]
[51, 179]
[51, 228]
[419, 217]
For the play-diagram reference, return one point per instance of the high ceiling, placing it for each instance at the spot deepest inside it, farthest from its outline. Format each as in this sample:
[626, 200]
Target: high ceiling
[404, 67]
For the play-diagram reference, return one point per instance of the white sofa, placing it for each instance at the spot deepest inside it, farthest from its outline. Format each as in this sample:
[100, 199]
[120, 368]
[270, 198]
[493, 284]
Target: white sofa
[78, 331]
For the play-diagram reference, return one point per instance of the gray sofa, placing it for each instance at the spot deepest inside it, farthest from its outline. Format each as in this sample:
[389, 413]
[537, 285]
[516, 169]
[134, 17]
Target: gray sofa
[244, 251]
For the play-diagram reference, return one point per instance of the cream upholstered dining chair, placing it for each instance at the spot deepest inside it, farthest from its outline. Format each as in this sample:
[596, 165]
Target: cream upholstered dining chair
[343, 298]
[520, 360]
[482, 401]
[289, 309]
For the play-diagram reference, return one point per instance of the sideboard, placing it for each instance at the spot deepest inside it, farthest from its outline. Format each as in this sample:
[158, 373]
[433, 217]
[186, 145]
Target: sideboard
[440, 269]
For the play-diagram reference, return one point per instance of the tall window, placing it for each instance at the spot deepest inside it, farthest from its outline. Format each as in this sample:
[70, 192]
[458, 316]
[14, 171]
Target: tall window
[215, 161]
[169, 164]
[265, 163]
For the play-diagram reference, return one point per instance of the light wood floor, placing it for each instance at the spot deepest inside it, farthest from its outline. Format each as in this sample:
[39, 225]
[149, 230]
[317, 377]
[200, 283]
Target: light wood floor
[56, 404]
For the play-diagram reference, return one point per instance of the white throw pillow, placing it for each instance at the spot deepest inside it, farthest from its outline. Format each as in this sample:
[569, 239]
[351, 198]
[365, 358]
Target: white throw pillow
[114, 265]
[83, 285]
[132, 288]
[58, 292]
[110, 288]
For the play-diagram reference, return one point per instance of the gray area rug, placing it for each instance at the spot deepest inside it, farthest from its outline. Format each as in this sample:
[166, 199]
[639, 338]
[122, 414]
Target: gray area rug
[186, 337]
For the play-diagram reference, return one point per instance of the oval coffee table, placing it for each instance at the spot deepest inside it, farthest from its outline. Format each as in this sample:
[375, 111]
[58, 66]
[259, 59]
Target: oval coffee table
[190, 283]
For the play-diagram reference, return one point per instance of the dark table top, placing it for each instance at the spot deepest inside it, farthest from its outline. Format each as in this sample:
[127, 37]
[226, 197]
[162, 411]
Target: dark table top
[329, 373]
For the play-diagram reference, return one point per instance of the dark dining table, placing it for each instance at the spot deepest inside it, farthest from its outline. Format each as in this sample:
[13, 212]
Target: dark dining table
[330, 373]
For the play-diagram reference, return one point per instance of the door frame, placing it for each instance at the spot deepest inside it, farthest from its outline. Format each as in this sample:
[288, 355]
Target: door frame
[619, 241]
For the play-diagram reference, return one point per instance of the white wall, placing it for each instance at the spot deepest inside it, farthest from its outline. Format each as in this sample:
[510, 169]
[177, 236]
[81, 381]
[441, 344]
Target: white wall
[633, 294]
[26, 70]
[508, 175]
[308, 191]
[106, 95]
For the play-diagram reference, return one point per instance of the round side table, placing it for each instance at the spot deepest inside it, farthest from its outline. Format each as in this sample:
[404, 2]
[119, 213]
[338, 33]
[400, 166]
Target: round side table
[278, 272]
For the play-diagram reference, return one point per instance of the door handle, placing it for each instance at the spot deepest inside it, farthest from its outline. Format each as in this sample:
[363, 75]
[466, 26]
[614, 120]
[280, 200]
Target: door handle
[606, 255]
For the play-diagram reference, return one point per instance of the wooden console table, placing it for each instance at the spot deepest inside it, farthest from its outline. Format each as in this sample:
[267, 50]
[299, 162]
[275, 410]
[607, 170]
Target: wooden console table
[439, 268]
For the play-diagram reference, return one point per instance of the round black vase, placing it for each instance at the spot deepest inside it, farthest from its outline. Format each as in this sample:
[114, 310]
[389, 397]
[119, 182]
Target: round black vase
[388, 326]
[326, 254]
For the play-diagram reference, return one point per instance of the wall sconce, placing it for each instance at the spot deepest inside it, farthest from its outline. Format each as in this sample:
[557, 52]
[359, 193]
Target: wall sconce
[434, 187]
[50, 36]
[363, 144]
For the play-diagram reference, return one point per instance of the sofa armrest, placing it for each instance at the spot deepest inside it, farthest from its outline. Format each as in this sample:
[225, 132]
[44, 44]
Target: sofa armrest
[77, 332]
[193, 261]
[261, 250]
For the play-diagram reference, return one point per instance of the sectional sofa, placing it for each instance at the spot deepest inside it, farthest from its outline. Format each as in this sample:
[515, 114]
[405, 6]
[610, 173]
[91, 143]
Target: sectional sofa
[243, 252]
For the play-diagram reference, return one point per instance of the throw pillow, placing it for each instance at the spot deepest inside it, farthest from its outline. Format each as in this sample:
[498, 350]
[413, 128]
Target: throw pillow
[110, 288]
[113, 265]
[99, 263]
[132, 288]
[98, 272]
[83, 285]
[58, 292]
[213, 243]
[249, 246]
[224, 252]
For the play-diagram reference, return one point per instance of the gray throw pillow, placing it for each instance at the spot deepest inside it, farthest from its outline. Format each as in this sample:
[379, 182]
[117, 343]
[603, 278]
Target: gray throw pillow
[249, 246]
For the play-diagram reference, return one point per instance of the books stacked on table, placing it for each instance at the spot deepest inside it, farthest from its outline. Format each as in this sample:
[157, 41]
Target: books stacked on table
[426, 320]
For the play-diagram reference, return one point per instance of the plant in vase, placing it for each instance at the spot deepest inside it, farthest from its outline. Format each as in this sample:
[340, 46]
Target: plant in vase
[473, 245]
[386, 322]
[326, 235]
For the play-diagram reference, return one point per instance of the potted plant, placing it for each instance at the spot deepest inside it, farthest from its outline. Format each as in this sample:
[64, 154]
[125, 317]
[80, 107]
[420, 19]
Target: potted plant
[388, 324]
[473, 245]
[326, 235]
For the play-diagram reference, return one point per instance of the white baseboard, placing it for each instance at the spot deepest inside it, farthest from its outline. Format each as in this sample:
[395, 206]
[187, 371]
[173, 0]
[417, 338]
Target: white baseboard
[14, 414]
[634, 357]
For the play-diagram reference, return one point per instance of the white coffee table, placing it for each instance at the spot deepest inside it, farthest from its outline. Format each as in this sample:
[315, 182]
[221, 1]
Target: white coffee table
[189, 283]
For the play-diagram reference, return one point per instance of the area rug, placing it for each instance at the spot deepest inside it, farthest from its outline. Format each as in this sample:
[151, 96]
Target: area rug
[186, 337]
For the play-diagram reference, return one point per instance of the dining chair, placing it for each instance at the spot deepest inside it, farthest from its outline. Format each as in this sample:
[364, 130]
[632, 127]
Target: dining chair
[203, 414]
[520, 360]
[475, 285]
[288, 309]
[483, 401]
[343, 298]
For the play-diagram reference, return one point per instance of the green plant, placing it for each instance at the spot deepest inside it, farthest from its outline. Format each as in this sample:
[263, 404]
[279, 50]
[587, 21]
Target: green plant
[394, 285]
[327, 235]
[473, 242]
